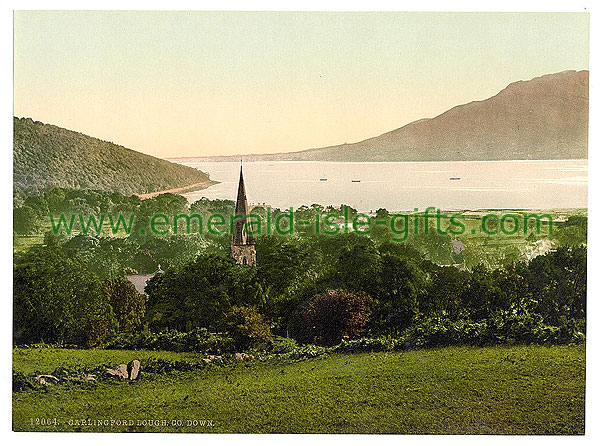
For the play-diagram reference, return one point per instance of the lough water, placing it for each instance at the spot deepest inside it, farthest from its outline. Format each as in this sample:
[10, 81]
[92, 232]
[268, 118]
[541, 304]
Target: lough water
[555, 184]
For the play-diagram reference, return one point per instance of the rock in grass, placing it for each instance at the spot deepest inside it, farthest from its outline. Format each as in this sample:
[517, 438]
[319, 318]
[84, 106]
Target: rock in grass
[47, 380]
[122, 369]
[111, 372]
[119, 372]
[133, 369]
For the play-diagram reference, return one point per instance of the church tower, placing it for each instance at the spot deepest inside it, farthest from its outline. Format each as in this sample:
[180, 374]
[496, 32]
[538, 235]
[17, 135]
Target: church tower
[242, 243]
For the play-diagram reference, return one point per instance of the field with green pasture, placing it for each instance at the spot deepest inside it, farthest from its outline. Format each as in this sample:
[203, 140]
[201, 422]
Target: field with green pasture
[453, 390]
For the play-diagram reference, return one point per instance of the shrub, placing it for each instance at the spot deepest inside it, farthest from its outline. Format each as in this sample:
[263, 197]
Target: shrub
[380, 344]
[503, 328]
[199, 340]
[307, 351]
[283, 345]
[335, 315]
[247, 327]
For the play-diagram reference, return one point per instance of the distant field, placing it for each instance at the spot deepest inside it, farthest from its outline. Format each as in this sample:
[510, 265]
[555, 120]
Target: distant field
[497, 390]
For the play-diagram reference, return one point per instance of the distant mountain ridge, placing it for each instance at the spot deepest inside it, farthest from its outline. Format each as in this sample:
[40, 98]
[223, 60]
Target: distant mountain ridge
[47, 156]
[542, 118]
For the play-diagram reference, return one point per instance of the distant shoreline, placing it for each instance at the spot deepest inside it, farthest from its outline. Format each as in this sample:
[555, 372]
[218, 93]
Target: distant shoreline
[251, 159]
[190, 188]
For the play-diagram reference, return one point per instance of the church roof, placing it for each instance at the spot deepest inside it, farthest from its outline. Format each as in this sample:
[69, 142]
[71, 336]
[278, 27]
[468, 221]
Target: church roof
[139, 280]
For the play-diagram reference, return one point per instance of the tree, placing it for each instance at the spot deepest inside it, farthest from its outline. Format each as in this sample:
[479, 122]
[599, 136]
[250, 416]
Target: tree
[25, 220]
[402, 282]
[481, 290]
[557, 282]
[446, 289]
[356, 264]
[56, 299]
[171, 251]
[198, 294]
[282, 260]
[128, 305]
[145, 261]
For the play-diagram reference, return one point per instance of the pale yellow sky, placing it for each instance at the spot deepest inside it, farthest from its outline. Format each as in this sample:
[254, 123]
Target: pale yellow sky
[221, 83]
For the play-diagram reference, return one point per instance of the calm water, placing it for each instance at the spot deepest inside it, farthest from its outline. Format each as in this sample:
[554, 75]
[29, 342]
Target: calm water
[544, 184]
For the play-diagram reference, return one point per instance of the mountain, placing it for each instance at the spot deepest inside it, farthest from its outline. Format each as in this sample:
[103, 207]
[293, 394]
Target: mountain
[46, 156]
[542, 118]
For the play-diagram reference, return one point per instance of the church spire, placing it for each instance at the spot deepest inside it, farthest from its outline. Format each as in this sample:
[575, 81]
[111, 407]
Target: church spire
[241, 204]
[240, 237]
[242, 243]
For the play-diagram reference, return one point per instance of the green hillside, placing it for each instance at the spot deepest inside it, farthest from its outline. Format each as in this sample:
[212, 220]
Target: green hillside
[47, 156]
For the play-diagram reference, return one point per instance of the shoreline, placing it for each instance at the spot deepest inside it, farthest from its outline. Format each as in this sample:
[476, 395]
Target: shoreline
[252, 159]
[189, 188]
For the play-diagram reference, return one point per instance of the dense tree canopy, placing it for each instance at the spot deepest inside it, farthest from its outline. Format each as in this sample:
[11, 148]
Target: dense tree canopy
[56, 299]
[73, 287]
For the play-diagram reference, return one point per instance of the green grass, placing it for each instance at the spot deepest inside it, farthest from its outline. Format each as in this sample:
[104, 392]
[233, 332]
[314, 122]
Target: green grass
[499, 390]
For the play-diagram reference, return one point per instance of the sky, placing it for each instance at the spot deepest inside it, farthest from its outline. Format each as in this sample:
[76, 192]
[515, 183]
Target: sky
[175, 84]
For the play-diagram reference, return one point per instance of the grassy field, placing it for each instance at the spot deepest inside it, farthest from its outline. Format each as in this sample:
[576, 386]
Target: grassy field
[499, 390]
